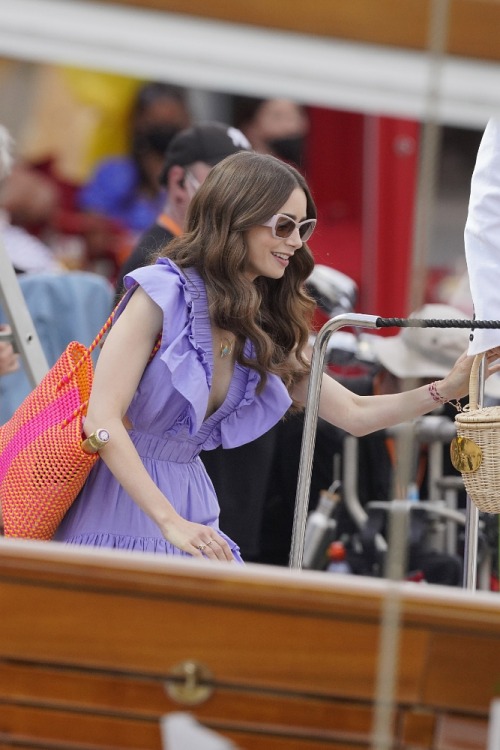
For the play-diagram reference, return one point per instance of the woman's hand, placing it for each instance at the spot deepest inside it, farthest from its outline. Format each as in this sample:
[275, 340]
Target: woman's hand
[493, 361]
[456, 384]
[196, 539]
[9, 360]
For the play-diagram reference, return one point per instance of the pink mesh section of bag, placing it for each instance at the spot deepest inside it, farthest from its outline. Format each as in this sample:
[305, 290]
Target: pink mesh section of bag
[42, 464]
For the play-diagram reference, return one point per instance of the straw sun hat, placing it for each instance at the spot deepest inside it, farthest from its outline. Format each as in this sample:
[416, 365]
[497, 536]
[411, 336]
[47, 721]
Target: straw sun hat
[428, 352]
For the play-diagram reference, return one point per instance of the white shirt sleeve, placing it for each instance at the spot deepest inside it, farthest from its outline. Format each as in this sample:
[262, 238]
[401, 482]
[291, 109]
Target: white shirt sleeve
[482, 237]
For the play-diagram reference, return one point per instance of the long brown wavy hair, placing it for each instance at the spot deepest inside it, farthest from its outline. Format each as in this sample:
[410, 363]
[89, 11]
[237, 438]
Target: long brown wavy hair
[242, 191]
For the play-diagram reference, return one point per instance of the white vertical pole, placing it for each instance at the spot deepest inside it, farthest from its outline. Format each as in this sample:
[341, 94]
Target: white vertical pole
[25, 336]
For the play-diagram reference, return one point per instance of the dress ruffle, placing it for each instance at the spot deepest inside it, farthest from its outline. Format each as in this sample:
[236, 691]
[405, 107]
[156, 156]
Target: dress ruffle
[189, 358]
[255, 414]
[154, 545]
[185, 350]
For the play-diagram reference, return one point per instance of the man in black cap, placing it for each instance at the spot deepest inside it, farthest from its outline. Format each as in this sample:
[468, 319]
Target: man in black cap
[190, 156]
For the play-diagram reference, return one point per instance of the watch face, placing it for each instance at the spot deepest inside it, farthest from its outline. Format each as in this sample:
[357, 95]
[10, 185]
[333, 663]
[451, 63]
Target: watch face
[103, 435]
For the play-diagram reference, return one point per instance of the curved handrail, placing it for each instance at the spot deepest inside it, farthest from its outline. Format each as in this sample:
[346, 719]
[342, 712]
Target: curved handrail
[311, 416]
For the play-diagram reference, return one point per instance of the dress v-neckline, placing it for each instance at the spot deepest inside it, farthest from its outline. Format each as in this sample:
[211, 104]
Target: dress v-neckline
[202, 329]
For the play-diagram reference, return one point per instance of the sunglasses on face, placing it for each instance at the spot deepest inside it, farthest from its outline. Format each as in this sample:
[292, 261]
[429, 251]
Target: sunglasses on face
[282, 227]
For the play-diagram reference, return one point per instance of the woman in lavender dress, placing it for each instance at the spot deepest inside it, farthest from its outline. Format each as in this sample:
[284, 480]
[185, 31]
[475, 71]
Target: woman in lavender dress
[227, 297]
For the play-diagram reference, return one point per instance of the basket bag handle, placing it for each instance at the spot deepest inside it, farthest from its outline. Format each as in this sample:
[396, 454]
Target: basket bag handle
[474, 382]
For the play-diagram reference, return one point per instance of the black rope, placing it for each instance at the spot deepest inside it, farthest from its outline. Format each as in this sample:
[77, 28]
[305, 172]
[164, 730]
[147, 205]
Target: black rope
[434, 323]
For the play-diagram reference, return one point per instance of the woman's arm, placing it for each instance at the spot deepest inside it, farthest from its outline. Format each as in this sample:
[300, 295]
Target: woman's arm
[360, 415]
[119, 369]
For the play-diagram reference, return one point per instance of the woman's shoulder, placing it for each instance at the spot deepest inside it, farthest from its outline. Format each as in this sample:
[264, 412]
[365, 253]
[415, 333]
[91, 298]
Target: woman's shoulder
[173, 289]
[161, 280]
[161, 268]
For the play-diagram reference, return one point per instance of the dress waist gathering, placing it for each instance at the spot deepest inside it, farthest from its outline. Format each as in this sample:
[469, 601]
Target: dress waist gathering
[175, 448]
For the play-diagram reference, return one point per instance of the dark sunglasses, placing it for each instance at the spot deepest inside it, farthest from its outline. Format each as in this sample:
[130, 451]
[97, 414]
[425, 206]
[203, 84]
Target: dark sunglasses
[282, 227]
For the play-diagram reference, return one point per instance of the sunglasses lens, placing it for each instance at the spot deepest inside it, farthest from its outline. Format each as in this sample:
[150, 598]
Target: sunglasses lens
[306, 230]
[284, 227]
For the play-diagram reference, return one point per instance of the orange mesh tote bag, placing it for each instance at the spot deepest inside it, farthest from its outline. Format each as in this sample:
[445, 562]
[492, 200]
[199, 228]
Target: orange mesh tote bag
[43, 465]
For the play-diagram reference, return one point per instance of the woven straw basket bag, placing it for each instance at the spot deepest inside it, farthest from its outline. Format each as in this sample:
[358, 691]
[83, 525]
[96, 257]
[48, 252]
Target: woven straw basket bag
[475, 452]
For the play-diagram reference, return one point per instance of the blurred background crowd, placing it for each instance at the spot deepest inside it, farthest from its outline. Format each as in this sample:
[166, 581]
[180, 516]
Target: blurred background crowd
[88, 153]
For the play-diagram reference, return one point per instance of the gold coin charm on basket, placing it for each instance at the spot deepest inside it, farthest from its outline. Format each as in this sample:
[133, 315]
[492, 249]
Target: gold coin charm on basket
[475, 452]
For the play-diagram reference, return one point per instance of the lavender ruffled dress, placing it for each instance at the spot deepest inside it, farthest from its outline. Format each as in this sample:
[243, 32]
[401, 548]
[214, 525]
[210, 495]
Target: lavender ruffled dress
[169, 429]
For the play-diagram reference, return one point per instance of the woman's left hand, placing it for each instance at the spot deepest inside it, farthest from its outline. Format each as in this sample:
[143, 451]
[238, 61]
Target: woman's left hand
[456, 384]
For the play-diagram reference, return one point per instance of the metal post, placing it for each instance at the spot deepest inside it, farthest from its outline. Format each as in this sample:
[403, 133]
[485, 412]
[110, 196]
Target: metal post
[311, 417]
[25, 336]
[470, 553]
[472, 514]
[390, 631]
[451, 486]
[310, 420]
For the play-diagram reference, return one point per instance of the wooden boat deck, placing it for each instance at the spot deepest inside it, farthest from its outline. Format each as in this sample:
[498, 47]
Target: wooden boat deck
[95, 646]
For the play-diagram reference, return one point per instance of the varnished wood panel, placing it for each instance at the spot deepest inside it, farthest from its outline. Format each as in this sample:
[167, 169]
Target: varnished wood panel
[259, 647]
[88, 640]
[474, 29]
[396, 22]
[97, 731]
[472, 24]
[22, 683]
[476, 658]
[55, 726]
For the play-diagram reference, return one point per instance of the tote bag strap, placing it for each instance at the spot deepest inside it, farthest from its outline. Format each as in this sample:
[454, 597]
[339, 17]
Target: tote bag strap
[71, 372]
[95, 343]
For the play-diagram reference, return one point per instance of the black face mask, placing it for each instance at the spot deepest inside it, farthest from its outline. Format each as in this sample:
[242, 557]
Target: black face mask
[290, 149]
[155, 138]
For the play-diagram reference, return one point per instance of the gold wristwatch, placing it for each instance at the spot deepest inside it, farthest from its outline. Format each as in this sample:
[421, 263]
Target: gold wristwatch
[95, 441]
